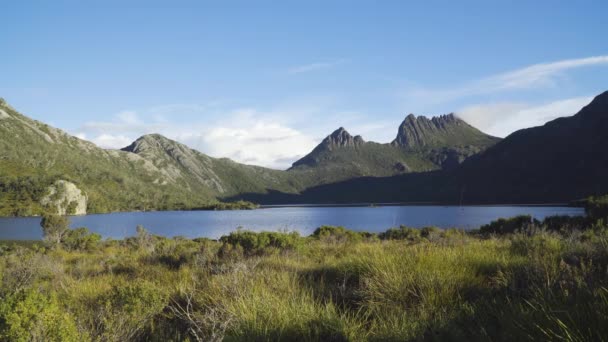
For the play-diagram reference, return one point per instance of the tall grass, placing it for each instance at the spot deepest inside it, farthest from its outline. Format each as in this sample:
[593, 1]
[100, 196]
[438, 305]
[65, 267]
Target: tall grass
[335, 285]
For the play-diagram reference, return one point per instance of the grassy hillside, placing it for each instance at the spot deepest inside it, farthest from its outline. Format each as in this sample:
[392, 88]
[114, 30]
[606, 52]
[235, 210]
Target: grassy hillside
[513, 281]
[158, 173]
[35, 155]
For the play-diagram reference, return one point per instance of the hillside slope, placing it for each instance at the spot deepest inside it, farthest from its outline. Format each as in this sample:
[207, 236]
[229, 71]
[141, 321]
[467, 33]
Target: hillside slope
[563, 160]
[153, 173]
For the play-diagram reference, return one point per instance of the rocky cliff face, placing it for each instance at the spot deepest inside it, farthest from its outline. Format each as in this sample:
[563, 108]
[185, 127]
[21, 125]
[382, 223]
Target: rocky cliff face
[341, 138]
[439, 131]
[176, 160]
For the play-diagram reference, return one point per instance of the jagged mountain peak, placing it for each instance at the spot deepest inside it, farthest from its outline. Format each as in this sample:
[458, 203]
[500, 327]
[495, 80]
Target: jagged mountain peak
[341, 138]
[338, 139]
[438, 131]
[153, 141]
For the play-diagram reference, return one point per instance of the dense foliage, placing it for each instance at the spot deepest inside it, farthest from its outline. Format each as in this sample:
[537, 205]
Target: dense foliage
[506, 283]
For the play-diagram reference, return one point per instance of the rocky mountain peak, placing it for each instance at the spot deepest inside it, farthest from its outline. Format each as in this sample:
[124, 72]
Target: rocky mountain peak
[341, 138]
[148, 142]
[421, 131]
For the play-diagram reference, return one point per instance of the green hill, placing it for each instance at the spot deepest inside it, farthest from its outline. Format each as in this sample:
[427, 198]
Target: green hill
[152, 173]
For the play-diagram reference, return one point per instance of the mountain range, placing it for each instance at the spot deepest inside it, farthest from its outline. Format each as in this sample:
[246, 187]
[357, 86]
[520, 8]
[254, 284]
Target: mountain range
[441, 159]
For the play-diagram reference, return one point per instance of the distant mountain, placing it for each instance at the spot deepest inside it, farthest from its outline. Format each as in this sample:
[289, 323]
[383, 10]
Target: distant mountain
[442, 159]
[421, 145]
[439, 131]
[564, 160]
[191, 168]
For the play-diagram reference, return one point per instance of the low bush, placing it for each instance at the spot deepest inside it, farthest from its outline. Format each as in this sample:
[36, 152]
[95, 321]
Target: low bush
[258, 243]
[509, 225]
[332, 234]
[401, 233]
[33, 316]
[81, 239]
[597, 207]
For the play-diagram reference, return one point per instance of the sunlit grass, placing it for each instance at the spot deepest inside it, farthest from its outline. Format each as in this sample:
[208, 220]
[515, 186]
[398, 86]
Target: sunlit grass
[441, 285]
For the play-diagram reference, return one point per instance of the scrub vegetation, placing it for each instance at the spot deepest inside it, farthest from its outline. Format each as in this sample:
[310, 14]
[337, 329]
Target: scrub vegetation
[513, 280]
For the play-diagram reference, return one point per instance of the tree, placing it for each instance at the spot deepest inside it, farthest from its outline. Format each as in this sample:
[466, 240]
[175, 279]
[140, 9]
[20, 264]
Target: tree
[54, 228]
[144, 239]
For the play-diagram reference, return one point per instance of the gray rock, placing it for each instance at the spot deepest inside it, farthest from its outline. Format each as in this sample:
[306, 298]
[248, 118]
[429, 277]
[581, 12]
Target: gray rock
[66, 198]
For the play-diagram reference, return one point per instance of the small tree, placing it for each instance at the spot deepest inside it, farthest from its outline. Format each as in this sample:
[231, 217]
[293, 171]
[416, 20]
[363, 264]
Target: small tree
[54, 228]
[144, 239]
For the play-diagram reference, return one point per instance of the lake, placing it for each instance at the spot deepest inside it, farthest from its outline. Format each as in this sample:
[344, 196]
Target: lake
[214, 224]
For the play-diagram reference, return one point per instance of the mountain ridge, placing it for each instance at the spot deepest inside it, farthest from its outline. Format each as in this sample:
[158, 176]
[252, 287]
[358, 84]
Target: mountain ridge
[564, 160]
[439, 159]
[421, 144]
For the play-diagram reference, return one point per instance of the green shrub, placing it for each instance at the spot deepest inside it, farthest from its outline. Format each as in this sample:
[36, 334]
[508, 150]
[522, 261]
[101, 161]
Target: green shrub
[509, 225]
[337, 234]
[431, 233]
[32, 316]
[401, 233]
[253, 242]
[597, 207]
[81, 239]
[54, 228]
[125, 313]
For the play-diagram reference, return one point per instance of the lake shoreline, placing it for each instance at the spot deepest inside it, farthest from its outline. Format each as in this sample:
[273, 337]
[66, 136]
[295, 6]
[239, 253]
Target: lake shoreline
[305, 219]
[411, 204]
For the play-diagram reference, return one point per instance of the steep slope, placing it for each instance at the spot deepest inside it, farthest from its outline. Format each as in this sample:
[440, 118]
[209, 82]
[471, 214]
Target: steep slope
[421, 145]
[439, 131]
[563, 160]
[341, 156]
[191, 168]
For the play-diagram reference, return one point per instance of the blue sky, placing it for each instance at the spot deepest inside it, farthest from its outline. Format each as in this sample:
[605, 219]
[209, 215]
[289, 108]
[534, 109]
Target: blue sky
[263, 81]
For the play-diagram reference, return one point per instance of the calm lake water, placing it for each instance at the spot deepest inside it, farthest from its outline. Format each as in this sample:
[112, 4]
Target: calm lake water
[214, 224]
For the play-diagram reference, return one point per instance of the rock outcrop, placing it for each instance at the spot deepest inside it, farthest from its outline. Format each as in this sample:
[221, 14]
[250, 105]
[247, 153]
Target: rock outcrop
[65, 199]
[443, 130]
[340, 138]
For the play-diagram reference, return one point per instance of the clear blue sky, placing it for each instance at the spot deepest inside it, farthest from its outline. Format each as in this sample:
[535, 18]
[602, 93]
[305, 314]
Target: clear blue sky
[262, 81]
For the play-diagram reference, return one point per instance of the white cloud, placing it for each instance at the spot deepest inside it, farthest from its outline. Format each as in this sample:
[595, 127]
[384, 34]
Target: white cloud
[244, 135]
[501, 119]
[258, 142]
[313, 67]
[111, 141]
[534, 76]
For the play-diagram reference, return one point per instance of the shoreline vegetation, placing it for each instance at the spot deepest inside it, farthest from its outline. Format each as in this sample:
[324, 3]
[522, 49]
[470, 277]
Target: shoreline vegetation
[513, 279]
[236, 205]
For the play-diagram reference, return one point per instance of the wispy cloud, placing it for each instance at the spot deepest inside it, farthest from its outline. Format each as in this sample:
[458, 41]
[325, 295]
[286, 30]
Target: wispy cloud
[502, 119]
[314, 67]
[534, 76]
